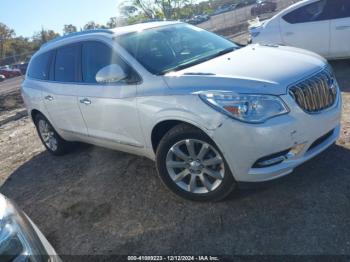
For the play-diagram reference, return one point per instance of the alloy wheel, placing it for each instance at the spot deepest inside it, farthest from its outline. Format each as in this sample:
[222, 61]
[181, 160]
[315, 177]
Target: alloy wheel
[47, 134]
[195, 166]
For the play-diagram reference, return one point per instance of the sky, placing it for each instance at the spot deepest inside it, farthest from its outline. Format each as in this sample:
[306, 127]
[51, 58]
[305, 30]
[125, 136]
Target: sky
[28, 16]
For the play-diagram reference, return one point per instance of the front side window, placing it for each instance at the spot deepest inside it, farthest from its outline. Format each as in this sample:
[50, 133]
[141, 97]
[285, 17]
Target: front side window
[95, 56]
[317, 11]
[67, 64]
[39, 67]
[174, 47]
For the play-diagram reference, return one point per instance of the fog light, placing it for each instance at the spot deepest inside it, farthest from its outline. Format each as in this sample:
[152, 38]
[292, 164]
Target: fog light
[271, 160]
[296, 150]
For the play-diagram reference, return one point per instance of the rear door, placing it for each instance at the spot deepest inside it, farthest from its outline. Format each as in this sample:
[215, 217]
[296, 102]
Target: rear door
[61, 92]
[308, 27]
[340, 29]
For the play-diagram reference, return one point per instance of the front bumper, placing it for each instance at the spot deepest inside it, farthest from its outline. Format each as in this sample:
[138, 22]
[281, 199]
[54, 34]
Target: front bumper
[243, 144]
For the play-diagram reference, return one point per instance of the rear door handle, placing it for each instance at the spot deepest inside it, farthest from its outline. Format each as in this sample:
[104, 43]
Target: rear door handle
[342, 27]
[49, 98]
[289, 33]
[85, 101]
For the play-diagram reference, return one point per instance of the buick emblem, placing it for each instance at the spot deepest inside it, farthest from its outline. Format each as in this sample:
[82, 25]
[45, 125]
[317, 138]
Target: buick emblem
[332, 85]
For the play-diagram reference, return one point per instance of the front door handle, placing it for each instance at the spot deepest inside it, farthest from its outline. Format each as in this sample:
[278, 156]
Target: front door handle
[85, 101]
[342, 27]
[49, 98]
[289, 33]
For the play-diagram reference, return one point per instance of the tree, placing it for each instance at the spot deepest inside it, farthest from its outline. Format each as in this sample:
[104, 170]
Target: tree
[5, 34]
[112, 23]
[128, 10]
[44, 36]
[157, 9]
[92, 25]
[68, 29]
[147, 7]
[18, 50]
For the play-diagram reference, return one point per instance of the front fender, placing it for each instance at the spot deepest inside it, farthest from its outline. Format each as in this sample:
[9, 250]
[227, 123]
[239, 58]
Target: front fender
[185, 108]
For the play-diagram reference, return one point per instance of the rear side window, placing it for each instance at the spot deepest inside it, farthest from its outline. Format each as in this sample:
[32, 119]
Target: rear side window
[95, 56]
[67, 64]
[39, 67]
[317, 11]
[340, 9]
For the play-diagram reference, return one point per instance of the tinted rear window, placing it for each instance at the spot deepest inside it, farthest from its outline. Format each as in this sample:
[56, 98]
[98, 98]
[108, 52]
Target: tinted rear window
[67, 64]
[340, 9]
[39, 67]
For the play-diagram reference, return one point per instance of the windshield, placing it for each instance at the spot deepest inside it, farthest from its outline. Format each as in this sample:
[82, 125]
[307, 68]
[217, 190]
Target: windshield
[170, 48]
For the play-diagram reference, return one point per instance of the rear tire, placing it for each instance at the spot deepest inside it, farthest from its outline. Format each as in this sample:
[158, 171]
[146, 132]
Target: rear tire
[191, 165]
[55, 144]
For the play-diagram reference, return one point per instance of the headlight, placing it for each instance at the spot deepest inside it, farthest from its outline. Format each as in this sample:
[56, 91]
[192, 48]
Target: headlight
[245, 107]
[18, 239]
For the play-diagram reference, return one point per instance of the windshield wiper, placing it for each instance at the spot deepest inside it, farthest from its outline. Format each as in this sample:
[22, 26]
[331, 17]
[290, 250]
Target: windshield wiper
[224, 51]
[199, 61]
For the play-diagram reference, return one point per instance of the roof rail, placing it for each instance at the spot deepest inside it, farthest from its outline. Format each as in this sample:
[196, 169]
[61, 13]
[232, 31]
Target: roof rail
[86, 32]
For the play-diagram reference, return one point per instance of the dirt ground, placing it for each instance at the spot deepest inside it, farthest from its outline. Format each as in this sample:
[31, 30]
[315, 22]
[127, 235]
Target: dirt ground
[98, 201]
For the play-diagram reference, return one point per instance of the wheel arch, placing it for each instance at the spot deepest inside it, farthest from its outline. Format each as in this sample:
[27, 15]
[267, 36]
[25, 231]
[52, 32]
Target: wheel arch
[163, 126]
[34, 113]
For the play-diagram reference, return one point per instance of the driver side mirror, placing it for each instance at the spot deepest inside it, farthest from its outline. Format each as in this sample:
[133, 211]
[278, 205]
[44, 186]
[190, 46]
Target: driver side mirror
[110, 74]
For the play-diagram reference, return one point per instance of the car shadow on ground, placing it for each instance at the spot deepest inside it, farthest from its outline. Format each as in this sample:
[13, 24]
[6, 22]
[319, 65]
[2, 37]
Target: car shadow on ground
[98, 201]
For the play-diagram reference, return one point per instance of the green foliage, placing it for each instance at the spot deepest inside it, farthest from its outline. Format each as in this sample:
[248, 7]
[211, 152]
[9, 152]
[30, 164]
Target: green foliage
[19, 49]
[5, 34]
[112, 23]
[44, 36]
[68, 29]
[92, 25]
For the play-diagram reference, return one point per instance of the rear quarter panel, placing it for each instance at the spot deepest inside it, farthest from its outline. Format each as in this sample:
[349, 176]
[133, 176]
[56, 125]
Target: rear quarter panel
[32, 95]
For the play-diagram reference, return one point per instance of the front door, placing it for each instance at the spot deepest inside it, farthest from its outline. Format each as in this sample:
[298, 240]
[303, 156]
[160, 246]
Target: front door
[340, 29]
[109, 110]
[308, 27]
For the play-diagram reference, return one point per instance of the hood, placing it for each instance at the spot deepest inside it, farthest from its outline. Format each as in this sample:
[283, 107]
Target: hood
[252, 69]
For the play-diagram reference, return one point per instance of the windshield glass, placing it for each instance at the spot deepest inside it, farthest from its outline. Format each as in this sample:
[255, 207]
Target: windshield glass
[170, 48]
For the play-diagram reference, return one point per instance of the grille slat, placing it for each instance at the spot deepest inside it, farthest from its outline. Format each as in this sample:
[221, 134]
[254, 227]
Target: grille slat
[323, 92]
[316, 93]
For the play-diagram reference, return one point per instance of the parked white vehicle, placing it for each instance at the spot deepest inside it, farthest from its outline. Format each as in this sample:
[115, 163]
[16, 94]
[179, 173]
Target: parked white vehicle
[209, 112]
[321, 26]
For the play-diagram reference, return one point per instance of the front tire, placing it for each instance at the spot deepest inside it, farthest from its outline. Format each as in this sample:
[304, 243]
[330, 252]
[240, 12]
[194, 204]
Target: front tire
[191, 165]
[49, 137]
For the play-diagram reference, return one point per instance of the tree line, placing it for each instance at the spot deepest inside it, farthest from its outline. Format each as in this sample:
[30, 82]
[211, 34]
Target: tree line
[16, 49]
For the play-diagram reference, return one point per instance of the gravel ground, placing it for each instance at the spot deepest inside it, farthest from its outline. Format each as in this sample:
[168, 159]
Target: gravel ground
[98, 201]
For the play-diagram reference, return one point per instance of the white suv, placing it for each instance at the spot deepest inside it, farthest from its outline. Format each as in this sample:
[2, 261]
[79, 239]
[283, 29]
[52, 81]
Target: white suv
[321, 26]
[209, 112]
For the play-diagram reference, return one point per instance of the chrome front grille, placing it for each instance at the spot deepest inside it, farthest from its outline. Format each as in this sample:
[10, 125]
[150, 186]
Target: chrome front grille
[316, 93]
